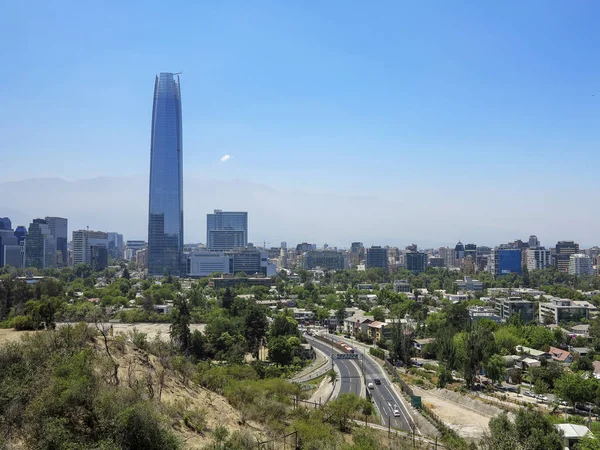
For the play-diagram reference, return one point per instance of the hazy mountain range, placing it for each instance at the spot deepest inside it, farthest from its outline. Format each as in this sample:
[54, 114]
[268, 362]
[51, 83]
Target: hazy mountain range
[121, 204]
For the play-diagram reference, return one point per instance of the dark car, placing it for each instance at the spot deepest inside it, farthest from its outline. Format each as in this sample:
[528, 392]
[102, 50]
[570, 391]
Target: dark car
[377, 381]
[347, 336]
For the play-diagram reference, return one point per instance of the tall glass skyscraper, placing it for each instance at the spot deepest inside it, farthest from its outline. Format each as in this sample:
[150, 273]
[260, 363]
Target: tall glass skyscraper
[165, 221]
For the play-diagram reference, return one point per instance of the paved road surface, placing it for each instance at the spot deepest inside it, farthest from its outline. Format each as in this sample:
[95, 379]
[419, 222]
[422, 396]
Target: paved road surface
[384, 396]
[350, 378]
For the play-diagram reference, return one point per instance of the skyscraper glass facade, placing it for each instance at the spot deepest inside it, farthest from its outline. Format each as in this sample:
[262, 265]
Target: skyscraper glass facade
[165, 221]
[39, 246]
[509, 261]
[58, 229]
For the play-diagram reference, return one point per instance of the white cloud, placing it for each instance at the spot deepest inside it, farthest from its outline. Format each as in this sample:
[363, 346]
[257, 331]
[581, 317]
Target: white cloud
[226, 158]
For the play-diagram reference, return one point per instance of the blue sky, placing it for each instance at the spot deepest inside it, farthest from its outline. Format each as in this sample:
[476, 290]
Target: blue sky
[463, 102]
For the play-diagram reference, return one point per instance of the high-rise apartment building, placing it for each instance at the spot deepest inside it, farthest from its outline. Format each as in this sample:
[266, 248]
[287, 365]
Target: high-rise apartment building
[90, 247]
[226, 230]
[40, 251]
[165, 219]
[580, 264]
[377, 258]
[562, 254]
[447, 254]
[538, 258]
[416, 262]
[58, 229]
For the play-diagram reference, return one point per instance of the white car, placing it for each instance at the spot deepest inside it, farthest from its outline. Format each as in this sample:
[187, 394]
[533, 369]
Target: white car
[396, 412]
[371, 386]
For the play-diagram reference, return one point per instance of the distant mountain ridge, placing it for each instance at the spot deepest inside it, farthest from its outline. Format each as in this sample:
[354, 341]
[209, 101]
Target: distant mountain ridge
[121, 204]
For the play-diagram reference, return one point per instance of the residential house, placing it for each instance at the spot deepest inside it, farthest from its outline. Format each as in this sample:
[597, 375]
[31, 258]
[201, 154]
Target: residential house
[525, 363]
[303, 315]
[371, 298]
[533, 353]
[580, 352]
[582, 330]
[357, 323]
[419, 344]
[378, 331]
[560, 355]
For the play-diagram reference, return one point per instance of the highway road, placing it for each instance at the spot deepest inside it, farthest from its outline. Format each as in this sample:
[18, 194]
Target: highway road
[350, 378]
[384, 396]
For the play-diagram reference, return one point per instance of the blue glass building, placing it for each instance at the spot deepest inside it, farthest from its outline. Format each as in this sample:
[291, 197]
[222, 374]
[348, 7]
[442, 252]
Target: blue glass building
[165, 218]
[507, 260]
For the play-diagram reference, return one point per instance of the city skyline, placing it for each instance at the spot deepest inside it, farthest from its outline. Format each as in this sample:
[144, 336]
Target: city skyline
[342, 225]
[327, 101]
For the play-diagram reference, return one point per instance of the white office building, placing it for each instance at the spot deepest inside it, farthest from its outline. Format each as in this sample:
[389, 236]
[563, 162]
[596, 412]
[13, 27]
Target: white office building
[538, 258]
[88, 246]
[580, 264]
[469, 284]
[203, 263]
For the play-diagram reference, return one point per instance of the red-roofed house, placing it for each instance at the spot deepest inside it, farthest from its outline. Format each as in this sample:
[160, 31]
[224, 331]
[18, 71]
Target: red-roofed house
[378, 330]
[560, 355]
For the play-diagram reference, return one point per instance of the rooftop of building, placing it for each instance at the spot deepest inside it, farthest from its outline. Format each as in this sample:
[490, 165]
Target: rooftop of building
[572, 431]
[558, 354]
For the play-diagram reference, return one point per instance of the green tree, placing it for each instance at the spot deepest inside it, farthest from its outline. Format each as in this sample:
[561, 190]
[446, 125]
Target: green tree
[280, 350]
[378, 314]
[227, 300]
[572, 388]
[530, 430]
[43, 311]
[582, 364]
[506, 340]
[401, 343]
[445, 348]
[341, 410]
[340, 315]
[255, 328]
[541, 387]
[495, 368]
[473, 357]
[197, 345]
[283, 325]
[588, 442]
[126, 273]
[180, 325]
[525, 276]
